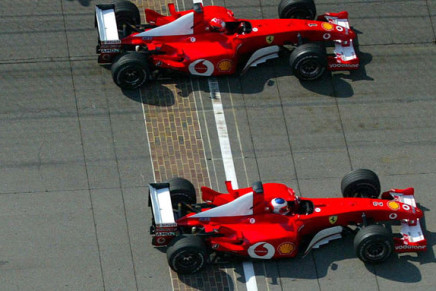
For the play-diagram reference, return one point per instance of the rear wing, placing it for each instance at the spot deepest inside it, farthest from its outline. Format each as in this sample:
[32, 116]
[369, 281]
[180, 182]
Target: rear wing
[109, 43]
[164, 225]
[413, 239]
[106, 22]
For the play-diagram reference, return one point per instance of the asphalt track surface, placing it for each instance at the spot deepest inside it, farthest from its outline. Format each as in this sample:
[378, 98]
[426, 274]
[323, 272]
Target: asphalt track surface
[75, 150]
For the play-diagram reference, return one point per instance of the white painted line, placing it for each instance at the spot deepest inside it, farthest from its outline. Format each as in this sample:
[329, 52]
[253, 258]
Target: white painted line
[229, 165]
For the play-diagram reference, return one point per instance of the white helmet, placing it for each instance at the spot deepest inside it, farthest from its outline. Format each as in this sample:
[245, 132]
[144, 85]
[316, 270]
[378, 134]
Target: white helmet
[279, 206]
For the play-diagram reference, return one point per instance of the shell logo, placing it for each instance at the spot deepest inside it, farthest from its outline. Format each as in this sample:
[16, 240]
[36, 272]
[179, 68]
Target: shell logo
[286, 248]
[327, 26]
[224, 65]
[393, 205]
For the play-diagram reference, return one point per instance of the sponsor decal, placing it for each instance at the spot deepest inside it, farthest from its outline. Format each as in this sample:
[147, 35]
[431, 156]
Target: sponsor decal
[393, 205]
[224, 65]
[312, 24]
[339, 28]
[201, 67]
[327, 26]
[406, 207]
[393, 215]
[326, 36]
[344, 66]
[165, 233]
[252, 220]
[410, 247]
[286, 248]
[108, 51]
[333, 219]
[255, 29]
[147, 38]
[375, 203]
[192, 39]
[261, 250]
[161, 240]
[317, 209]
[269, 39]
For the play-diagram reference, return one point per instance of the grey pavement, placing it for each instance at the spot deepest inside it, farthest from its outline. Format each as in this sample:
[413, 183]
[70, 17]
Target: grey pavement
[75, 161]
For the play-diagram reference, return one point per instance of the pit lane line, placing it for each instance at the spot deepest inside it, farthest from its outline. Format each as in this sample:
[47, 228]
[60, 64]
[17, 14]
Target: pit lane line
[229, 165]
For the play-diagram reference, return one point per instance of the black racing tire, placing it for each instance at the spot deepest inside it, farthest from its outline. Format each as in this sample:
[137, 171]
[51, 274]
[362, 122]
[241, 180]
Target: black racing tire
[187, 254]
[130, 70]
[308, 61]
[373, 244]
[126, 14]
[360, 183]
[297, 9]
[182, 190]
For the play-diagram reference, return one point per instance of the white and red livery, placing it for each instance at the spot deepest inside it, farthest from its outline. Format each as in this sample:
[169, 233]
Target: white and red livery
[243, 222]
[211, 41]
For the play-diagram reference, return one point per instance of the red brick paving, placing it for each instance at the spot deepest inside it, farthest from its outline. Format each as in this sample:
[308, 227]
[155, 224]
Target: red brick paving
[177, 150]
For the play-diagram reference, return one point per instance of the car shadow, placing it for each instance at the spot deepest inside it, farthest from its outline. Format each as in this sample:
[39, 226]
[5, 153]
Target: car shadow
[82, 2]
[213, 277]
[254, 81]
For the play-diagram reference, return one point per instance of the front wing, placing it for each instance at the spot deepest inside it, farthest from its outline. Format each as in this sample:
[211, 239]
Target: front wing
[412, 239]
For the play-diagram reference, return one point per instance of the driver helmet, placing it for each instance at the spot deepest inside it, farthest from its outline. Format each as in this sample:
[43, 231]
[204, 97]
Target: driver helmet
[217, 24]
[279, 206]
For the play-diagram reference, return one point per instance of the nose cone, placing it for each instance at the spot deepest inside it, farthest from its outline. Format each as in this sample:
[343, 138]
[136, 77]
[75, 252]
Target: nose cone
[419, 213]
[352, 34]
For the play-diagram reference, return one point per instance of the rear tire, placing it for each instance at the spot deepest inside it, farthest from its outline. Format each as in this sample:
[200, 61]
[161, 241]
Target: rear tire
[308, 61]
[373, 244]
[182, 190]
[297, 9]
[187, 254]
[360, 183]
[130, 70]
[126, 14]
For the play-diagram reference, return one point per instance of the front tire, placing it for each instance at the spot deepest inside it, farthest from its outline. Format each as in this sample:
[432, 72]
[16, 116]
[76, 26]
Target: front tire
[308, 61]
[130, 71]
[361, 183]
[187, 254]
[373, 244]
[297, 9]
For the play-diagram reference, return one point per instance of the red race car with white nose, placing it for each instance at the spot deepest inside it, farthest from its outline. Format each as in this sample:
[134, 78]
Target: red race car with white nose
[269, 221]
[211, 41]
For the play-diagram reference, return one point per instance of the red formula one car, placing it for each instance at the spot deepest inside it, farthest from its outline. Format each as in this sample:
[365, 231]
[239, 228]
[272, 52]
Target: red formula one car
[211, 41]
[269, 221]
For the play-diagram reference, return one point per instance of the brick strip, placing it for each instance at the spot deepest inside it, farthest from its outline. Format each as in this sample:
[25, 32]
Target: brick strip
[177, 150]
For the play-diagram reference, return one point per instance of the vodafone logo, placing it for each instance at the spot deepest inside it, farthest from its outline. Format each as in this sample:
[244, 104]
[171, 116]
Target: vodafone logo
[201, 67]
[261, 250]
[410, 247]
[344, 66]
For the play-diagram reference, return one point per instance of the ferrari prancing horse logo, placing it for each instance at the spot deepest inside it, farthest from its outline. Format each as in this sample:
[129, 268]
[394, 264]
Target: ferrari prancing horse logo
[269, 39]
[333, 219]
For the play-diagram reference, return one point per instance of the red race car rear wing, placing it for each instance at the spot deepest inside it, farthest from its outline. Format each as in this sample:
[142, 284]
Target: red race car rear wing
[165, 225]
[413, 239]
[345, 54]
[109, 43]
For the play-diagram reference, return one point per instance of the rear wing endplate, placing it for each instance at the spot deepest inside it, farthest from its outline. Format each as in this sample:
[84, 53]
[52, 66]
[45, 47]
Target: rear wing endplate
[106, 23]
[161, 205]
